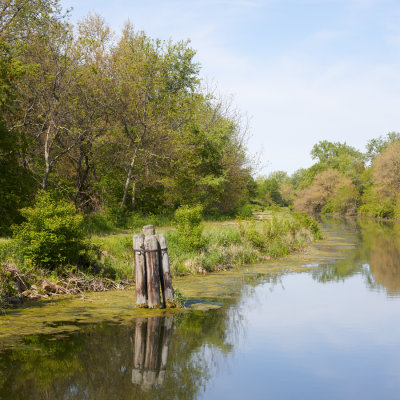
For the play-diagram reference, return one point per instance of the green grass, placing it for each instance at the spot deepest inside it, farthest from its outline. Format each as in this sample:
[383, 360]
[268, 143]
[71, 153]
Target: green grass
[225, 245]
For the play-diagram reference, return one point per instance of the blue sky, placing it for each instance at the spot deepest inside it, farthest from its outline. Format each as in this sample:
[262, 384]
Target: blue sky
[302, 70]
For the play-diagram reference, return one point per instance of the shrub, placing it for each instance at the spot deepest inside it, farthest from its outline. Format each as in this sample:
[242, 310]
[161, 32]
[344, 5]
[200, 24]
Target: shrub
[254, 236]
[245, 212]
[190, 228]
[375, 205]
[309, 223]
[53, 234]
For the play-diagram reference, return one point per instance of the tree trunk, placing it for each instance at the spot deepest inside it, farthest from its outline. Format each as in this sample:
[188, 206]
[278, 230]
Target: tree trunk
[128, 179]
[46, 160]
[133, 194]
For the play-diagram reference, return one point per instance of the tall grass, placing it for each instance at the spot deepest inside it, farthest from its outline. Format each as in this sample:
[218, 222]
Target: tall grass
[224, 244]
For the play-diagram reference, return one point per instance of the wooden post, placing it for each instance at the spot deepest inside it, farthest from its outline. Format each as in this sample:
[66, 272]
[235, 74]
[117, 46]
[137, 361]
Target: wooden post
[148, 230]
[152, 349]
[140, 270]
[139, 351]
[152, 270]
[165, 272]
[166, 339]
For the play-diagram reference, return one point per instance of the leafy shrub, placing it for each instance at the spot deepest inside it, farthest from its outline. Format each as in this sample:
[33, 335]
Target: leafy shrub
[245, 212]
[253, 236]
[53, 234]
[117, 216]
[310, 223]
[189, 225]
[3, 291]
[179, 298]
[96, 224]
[376, 206]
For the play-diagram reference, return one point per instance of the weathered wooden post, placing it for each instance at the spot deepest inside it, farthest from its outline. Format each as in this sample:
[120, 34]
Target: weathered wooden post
[152, 350]
[152, 270]
[166, 339]
[140, 270]
[165, 272]
[139, 351]
[148, 230]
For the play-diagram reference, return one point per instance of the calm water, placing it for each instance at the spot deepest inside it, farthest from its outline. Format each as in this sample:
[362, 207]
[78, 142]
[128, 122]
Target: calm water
[325, 326]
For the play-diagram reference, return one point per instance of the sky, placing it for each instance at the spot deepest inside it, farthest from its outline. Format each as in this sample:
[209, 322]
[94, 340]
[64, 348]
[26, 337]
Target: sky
[301, 70]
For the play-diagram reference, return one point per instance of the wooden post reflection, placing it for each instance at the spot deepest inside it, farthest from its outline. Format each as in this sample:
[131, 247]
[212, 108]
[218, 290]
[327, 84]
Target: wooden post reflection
[139, 350]
[150, 347]
[166, 338]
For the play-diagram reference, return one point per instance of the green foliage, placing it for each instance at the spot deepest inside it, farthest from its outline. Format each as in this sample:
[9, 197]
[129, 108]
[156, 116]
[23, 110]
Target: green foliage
[245, 212]
[96, 224]
[179, 298]
[268, 188]
[374, 206]
[11, 251]
[139, 220]
[309, 223]
[4, 289]
[280, 235]
[52, 235]
[116, 256]
[254, 236]
[380, 144]
[225, 237]
[344, 201]
[120, 127]
[189, 225]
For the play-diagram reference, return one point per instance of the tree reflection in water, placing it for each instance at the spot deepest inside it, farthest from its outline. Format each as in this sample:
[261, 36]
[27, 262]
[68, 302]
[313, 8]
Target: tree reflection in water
[164, 357]
[376, 256]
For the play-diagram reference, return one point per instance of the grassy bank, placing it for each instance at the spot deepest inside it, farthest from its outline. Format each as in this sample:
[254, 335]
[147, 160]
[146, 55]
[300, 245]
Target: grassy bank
[222, 245]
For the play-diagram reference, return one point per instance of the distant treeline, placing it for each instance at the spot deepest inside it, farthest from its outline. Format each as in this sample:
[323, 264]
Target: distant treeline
[343, 180]
[110, 122]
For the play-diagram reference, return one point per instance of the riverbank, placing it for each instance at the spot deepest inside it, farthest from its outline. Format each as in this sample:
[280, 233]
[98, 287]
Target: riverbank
[61, 316]
[225, 245]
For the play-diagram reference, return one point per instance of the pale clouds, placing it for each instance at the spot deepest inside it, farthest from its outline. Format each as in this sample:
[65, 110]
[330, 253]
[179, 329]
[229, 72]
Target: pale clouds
[305, 70]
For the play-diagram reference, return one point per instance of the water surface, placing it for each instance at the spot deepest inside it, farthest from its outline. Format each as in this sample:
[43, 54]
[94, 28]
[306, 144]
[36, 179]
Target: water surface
[322, 324]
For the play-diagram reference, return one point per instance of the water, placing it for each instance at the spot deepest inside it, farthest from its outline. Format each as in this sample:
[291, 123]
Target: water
[324, 324]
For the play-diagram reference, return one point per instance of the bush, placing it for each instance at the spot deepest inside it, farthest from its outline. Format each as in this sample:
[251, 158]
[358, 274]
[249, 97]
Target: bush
[52, 235]
[96, 224]
[245, 212]
[190, 228]
[253, 236]
[309, 223]
[376, 206]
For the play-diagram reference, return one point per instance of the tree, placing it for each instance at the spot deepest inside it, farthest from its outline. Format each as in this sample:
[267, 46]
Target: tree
[340, 156]
[382, 198]
[152, 80]
[326, 185]
[379, 145]
[16, 185]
